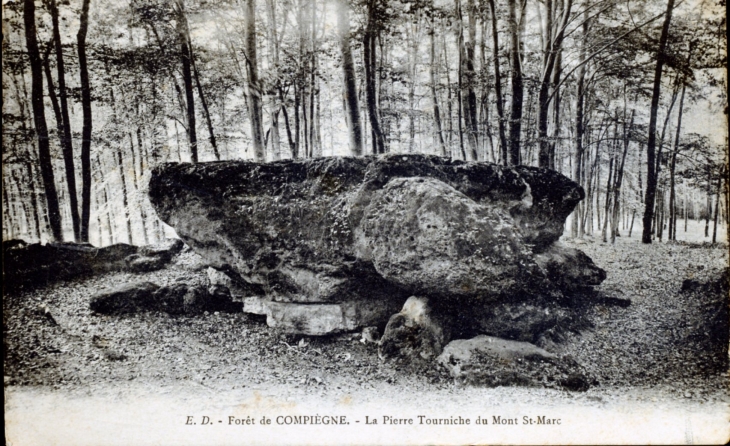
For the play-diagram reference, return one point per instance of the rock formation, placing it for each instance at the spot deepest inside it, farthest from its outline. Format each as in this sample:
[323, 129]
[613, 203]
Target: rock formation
[31, 265]
[27, 266]
[333, 244]
[176, 299]
[485, 360]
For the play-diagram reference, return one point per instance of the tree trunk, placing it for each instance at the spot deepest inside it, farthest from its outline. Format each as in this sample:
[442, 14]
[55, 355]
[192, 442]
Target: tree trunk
[87, 120]
[607, 202]
[187, 81]
[414, 31]
[620, 175]
[254, 90]
[287, 125]
[459, 93]
[651, 180]
[312, 88]
[276, 104]
[65, 136]
[504, 151]
[578, 163]
[553, 145]
[369, 37]
[672, 167]
[515, 128]
[125, 196]
[352, 108]
[39, 118]
[449, 99]
[467, 78]
[686, 208]
[34, 198]
[434, 94]
[8, 223]
[552, 48]
[204, 103]
[717, 204]
[708, 212]
[297, 123]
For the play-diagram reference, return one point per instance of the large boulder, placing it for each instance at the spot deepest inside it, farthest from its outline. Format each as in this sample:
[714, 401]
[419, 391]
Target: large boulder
[330, 231]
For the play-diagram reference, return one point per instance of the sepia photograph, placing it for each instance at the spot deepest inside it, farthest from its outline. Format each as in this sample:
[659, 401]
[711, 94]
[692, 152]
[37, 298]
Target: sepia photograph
[365, 222]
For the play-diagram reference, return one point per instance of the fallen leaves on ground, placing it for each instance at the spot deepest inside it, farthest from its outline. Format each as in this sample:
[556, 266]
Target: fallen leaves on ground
[51, 338]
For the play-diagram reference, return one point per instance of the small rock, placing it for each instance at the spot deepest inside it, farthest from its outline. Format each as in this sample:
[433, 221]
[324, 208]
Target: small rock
[489, 361]
[126, 298]
[179, 298]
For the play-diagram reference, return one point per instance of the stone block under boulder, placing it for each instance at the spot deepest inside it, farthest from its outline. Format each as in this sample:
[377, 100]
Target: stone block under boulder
[314, 319]
[492, 362]
[415, 333]
[340, 231]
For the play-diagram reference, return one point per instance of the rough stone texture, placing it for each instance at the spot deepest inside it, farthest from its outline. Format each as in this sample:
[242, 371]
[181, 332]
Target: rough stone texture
[376, 229]
[519, 321]
[490, 361]
[319, 319]
[181, 298]
[569, 269]
[154, 257]
[176, 299]
[426, 236]
[141, 264]
[414, 333]
[219, 281]
[256, 305]
[166, 249]
[125, 298]
[31, 265]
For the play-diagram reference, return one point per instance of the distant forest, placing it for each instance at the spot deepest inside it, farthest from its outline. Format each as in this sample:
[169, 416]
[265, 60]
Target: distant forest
[627, 98]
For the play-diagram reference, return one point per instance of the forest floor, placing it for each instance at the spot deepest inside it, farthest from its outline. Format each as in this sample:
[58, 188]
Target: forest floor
[77, 361]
